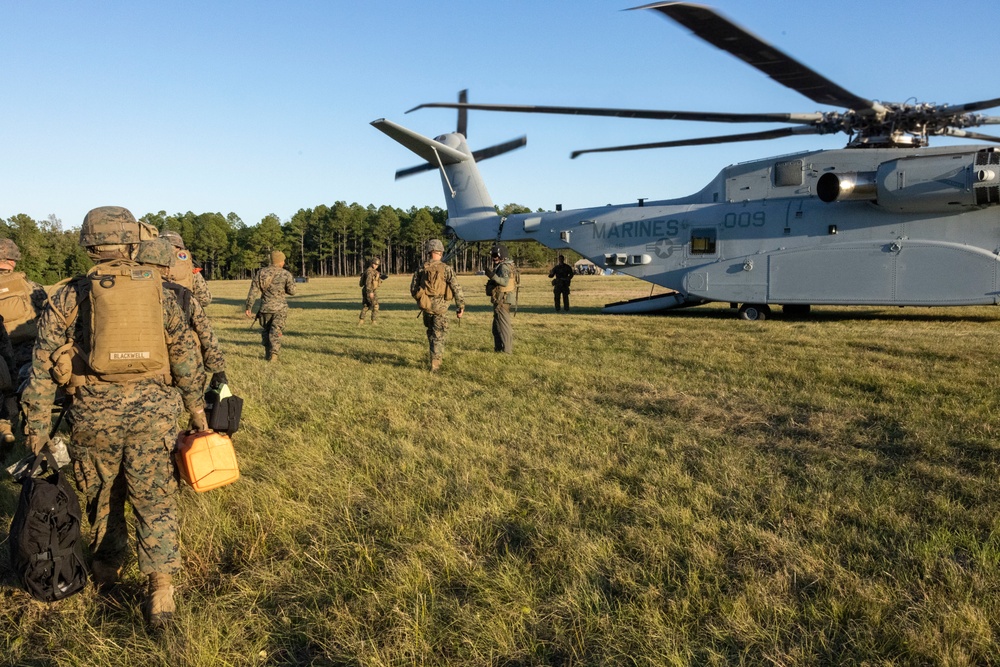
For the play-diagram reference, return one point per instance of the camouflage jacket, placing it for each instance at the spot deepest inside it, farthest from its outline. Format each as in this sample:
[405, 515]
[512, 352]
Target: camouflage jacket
[449, 277]
[197, 319]
[271, 285]
[201, 291]
[371, 280]
[62, 322]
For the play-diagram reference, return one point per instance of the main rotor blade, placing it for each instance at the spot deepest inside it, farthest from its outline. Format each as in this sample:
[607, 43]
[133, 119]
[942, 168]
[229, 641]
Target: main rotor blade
[971, 106]
[965, 134]
[651, 114]
[726, 35]
[724, 139]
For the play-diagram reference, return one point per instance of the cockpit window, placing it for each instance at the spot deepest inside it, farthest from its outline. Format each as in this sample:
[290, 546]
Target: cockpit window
[703, 241]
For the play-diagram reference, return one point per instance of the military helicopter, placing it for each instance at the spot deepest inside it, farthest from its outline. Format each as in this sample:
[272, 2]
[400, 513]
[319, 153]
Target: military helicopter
[885, 221]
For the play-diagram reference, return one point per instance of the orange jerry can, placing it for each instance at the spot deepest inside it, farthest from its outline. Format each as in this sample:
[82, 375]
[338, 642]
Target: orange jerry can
[206, 460]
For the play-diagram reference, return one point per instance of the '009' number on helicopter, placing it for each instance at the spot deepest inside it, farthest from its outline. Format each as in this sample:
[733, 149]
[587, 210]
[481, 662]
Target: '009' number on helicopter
[744, 219]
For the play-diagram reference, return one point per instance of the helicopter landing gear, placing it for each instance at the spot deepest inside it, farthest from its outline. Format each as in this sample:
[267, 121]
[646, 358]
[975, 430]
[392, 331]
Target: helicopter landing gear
[754, 311]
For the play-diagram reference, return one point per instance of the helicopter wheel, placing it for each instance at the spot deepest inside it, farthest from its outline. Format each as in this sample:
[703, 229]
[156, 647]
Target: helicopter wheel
[754, 311]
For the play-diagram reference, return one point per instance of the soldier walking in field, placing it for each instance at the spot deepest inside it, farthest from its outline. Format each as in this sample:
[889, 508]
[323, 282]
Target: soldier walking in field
[117, 342]
[500, 287]
[433, 286]
[561, 274]
[370, 281]
[21, 302]
[272, 284]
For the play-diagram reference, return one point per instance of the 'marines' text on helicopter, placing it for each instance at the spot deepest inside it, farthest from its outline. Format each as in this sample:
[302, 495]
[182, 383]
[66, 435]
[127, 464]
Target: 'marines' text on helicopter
[885, 221]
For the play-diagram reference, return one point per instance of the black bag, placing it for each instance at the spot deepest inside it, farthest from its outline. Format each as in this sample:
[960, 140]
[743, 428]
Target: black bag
[223, 415]
[45, 547]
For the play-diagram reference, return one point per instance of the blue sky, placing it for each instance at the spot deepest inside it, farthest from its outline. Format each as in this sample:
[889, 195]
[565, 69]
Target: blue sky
[264, 107]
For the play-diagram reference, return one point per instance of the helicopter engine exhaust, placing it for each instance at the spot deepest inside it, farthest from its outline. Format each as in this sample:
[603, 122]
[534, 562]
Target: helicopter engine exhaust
[833, 187]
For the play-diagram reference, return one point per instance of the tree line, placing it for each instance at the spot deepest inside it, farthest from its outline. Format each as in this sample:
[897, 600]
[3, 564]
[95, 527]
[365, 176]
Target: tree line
[334, 240]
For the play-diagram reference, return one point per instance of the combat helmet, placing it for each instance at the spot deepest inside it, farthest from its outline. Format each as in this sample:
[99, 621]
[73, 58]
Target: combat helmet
[158, 252]
[9, 251]
[175, 238]
[434, 245]
[499, 250]
[113, 232]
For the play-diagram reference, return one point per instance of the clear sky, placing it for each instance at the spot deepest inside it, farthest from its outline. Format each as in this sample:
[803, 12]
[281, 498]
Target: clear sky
[264, 107]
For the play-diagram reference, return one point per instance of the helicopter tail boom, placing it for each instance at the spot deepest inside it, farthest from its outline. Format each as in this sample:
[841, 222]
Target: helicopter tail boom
[471, 213]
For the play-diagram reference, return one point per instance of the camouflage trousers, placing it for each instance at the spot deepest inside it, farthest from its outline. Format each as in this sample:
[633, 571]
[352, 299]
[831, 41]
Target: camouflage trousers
[274, 324]
[437, 329]
[122, 444]
[369, 304]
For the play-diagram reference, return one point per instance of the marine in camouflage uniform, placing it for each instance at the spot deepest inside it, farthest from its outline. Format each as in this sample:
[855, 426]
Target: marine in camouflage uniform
[501, 275]
[160, 253]
[370, 281]
[271, 284]
[22, 339]
[561, 274]
[183, 272]
[436, 316]
[123, 431]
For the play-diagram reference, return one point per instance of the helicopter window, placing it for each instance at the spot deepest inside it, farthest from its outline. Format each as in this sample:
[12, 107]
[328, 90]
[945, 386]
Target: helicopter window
[703, 241]
[788, 173]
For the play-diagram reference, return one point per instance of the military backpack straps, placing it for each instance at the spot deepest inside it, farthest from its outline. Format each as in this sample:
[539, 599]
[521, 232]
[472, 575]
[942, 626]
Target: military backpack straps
[19, 316]
[182, 272]
[127, 339]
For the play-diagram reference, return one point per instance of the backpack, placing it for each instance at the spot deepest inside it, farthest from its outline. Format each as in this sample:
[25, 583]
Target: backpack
[126, 322]
[433, 285]
[45, 547]
[18, 312]
[182, 272]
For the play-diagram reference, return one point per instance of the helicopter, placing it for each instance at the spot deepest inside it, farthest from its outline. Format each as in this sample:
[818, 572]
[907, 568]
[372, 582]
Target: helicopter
[885, 221]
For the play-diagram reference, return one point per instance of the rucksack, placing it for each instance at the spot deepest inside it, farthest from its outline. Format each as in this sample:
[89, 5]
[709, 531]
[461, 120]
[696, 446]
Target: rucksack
[127, 340]
[45, 547]
[433, 285]
[18, 312]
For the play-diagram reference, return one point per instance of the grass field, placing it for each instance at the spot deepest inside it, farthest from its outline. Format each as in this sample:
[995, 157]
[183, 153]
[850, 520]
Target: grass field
[622, 490]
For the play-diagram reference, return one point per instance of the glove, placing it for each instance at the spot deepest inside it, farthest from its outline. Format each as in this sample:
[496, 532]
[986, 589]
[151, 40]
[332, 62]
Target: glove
[198, 420]
[218, 379]
[37, 441]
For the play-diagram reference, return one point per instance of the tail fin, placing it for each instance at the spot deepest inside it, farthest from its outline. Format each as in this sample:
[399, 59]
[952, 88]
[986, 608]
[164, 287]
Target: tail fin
[470, 209]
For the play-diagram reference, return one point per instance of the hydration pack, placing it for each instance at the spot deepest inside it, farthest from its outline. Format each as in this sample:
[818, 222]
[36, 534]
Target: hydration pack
[45, 547]
[126, 322]
[18, 312]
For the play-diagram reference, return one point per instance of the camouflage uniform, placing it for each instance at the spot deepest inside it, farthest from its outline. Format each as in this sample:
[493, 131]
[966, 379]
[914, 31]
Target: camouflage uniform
[182, 270]
[200, 290]
[23, 338]
[271, 284]
[123, 432]
[370, 281]
[500, 276]
[561, 274]
[436, 321]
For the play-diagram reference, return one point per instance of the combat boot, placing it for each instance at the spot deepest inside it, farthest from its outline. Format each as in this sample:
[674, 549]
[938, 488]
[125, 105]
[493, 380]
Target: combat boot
[274, 358]
[435, 365]
[361, 322]
[160, 606]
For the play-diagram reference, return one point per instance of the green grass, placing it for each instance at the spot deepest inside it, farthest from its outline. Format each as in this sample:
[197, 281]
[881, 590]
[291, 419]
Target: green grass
[682, 490]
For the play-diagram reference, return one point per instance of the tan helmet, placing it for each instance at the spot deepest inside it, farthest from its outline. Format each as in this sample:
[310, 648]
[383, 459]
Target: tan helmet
[108, 230]
[277, 257]
[374, 261]
[158, 252]
[434, 245]
[9, 251]
[175, 239]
